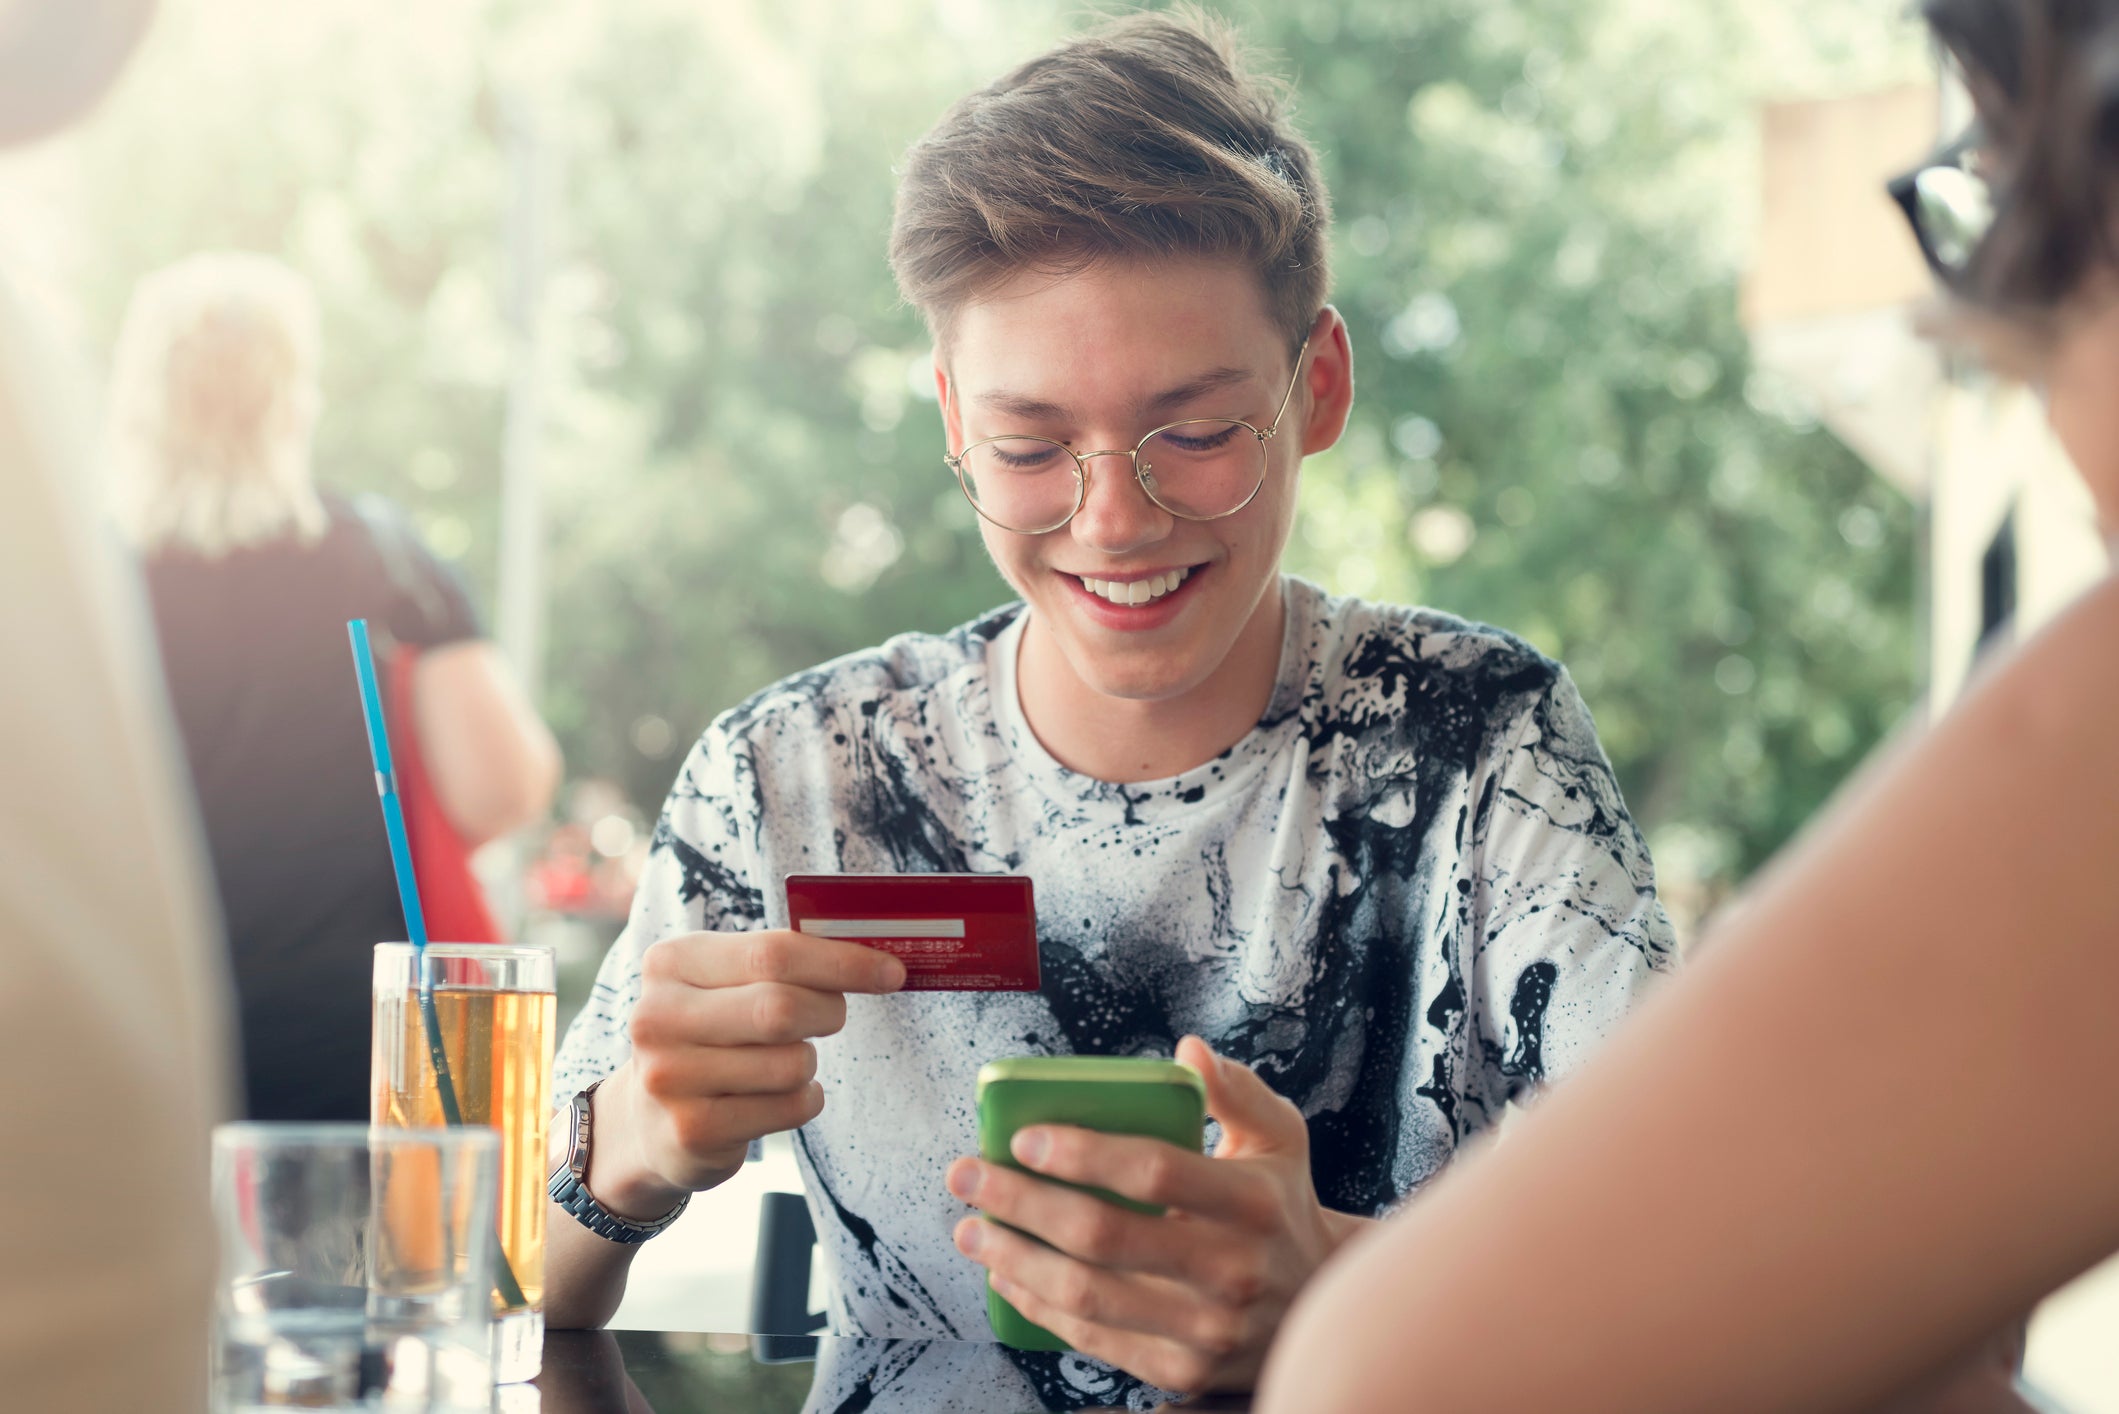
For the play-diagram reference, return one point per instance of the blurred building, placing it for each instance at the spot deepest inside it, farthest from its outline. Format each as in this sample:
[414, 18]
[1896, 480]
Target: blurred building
[1832, 299]
[1831, 302]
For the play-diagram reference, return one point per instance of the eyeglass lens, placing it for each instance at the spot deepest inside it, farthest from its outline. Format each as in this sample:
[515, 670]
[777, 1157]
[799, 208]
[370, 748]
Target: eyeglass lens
[1198, 470]
[1955, 209]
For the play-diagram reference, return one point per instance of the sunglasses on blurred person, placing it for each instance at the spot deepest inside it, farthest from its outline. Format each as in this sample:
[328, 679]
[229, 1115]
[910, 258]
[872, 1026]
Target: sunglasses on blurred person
[1950, 206]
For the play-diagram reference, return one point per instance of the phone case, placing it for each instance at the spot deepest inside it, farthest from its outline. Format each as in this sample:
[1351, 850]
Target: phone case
[1114, 1094]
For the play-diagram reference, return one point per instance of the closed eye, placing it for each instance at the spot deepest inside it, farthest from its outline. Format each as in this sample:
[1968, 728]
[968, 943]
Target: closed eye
[1203, 440]
[1036, 460]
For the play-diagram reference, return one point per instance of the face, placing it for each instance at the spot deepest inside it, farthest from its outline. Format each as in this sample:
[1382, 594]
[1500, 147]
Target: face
[1096, 360]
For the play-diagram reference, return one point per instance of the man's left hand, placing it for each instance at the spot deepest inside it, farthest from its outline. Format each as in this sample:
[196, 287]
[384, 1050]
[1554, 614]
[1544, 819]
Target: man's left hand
[1189, 1300]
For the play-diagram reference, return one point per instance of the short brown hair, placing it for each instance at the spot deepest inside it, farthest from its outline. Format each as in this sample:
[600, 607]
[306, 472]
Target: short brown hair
[1150, 137]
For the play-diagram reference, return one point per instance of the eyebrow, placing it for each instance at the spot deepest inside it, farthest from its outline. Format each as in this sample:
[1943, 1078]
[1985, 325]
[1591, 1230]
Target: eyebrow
[1024, 405]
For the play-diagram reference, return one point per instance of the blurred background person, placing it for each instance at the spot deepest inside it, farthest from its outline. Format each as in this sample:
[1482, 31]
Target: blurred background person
[253, 572]
[111, 980]
[1895, 1124]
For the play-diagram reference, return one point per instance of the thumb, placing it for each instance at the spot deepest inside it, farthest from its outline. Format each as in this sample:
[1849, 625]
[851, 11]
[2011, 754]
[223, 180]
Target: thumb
[1254, 1118]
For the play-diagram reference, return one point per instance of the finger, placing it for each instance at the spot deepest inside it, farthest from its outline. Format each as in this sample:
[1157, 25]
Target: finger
[1090, 1295]
[772, 955]
[693, 1072]
[1124, 1321]
[1255, 1119]
[1225, 1264]
[760, 1014]
[1077, 1223]
[711, 1128]
[1147, 1171]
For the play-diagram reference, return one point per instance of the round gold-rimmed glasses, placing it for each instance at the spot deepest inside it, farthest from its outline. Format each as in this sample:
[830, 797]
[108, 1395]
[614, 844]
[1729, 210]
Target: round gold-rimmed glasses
[1199, 468]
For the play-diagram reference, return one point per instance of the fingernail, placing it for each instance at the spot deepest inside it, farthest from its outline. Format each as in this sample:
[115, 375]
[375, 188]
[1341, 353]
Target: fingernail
[970, 1238]
[1002, 1287]
[1031, 1146]
[964, 1181]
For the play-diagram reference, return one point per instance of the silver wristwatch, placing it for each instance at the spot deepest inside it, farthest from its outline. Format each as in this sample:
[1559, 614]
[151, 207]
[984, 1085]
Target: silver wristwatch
[569, 1185]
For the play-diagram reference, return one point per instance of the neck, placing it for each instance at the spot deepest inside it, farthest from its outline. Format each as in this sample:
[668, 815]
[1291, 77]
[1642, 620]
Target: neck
[1123, 740]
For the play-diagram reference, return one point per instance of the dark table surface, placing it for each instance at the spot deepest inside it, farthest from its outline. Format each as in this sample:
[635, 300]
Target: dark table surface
[693, 1372]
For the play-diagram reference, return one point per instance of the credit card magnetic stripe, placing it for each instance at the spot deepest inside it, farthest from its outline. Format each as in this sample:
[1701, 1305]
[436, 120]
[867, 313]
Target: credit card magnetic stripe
[856, 928]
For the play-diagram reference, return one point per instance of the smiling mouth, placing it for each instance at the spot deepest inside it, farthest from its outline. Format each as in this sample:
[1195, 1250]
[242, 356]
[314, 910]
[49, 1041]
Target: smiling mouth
[1135, 591]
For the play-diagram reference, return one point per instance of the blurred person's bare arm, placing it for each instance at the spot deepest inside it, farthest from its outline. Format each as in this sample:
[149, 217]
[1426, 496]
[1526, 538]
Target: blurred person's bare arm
[721, 1055]
[113, 974]
[1979, 1381]
[493, 761]
[1877, 1120]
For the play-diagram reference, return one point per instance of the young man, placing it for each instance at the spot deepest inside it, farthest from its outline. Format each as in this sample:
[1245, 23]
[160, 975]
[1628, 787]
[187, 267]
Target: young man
[1372, 855]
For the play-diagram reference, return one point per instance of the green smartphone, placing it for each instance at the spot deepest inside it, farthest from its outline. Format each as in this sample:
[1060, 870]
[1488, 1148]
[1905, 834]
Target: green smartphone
[1115, 1094]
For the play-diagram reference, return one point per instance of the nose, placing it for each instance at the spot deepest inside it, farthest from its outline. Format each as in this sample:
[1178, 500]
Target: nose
[1116, 514]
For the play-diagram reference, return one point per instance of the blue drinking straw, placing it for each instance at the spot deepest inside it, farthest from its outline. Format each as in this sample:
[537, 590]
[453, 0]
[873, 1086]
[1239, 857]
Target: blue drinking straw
[401, 857]
[408, 897]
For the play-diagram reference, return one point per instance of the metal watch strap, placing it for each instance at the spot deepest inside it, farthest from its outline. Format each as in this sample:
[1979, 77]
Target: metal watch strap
[569, 1187]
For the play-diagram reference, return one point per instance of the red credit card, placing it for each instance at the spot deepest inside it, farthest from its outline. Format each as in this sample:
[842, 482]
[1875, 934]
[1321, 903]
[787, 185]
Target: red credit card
[953, 932]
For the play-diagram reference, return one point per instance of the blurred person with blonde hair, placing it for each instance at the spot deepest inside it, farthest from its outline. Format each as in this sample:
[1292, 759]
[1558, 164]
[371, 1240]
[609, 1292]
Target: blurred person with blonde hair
[214, 400]
[1894, 1124]
[253, 572]
[111, 975]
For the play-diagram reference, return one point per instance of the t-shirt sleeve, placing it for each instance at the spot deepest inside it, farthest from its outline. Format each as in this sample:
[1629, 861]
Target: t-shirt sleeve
[700, 876]
[428, 605]
[1567, 932]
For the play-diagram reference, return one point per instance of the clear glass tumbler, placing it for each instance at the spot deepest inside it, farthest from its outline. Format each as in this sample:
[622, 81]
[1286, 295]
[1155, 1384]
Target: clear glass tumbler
[355, 1267]
[493, 1011]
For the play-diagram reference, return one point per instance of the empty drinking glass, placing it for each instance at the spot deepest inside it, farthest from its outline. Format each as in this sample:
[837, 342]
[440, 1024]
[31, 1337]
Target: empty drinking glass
[356, 1267]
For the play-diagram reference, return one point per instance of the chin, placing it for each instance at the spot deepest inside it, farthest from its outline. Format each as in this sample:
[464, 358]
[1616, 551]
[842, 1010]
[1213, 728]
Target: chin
[1142, 677]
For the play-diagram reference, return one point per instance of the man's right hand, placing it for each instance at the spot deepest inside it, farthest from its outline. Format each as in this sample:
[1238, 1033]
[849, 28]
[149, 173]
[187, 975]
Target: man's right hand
[721, 1056]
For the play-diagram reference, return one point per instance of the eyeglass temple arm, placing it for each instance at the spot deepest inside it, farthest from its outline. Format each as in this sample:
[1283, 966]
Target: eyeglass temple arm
[1287, 397]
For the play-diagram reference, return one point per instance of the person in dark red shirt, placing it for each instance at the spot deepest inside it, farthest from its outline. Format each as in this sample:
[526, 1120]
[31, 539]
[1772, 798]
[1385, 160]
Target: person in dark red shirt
[253, 572]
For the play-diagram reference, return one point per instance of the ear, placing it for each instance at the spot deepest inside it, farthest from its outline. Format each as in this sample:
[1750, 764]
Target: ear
[1329, 383]
[952, 424]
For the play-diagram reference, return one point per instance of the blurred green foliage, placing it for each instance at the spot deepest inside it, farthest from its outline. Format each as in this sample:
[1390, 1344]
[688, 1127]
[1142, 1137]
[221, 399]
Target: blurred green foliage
[1558, 430]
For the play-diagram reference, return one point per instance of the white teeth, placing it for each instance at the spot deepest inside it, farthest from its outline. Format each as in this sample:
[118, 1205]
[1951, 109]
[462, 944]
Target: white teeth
[1139, 591]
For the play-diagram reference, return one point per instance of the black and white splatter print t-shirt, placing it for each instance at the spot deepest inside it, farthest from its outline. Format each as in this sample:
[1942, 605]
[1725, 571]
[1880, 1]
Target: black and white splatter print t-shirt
[1409, 893]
